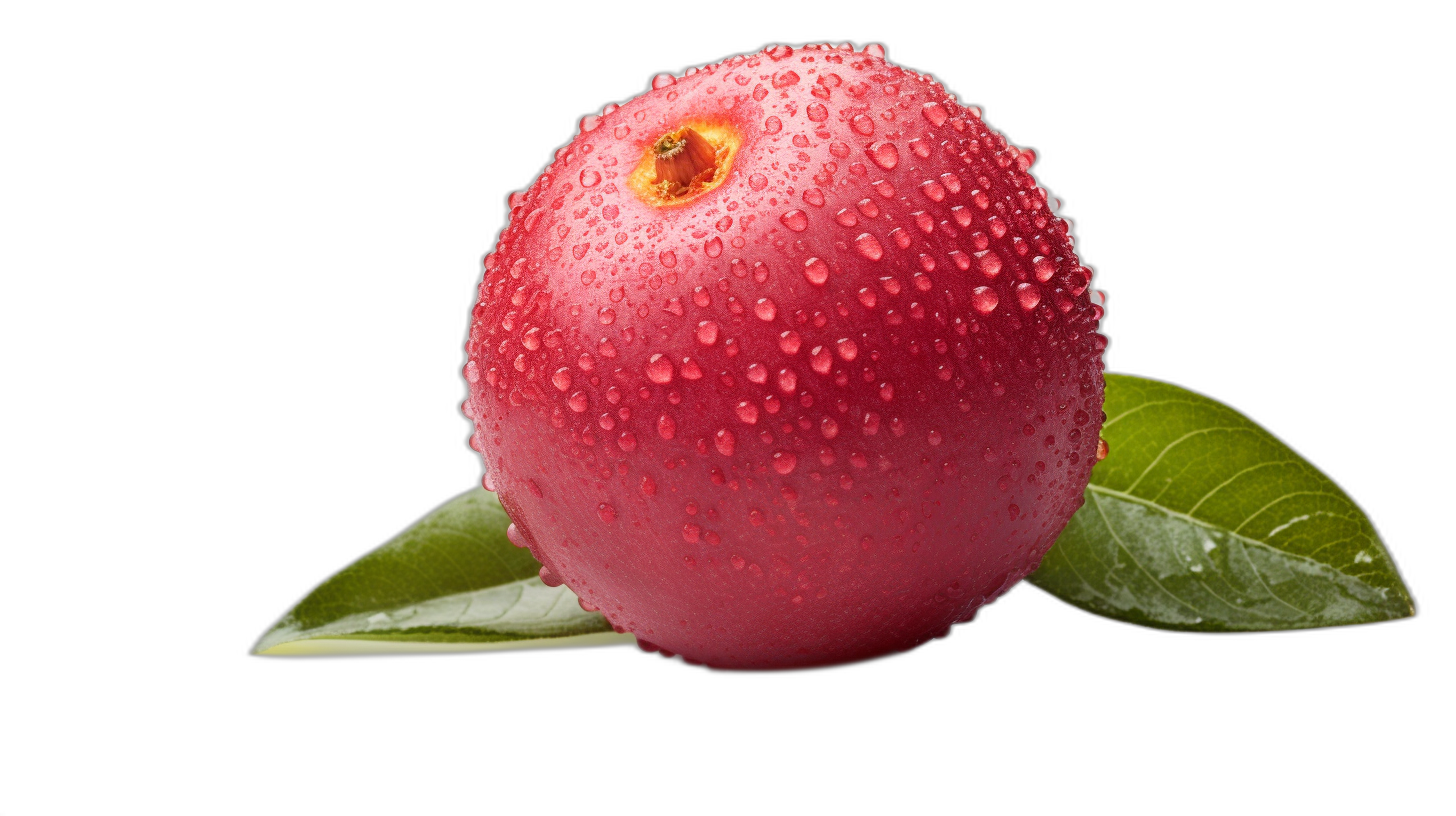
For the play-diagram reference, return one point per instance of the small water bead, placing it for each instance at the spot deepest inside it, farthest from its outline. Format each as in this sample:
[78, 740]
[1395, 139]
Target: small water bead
[590, 178]
[757, 181]
[816, 111]
[1043, 268]
[707, 332]
[621, 132]
[846, 218]
[784, 462]
[884, 188]
[607, 513]
[1028, 296]
[869, 426]
[772, 125]
[983, 299]
[691, 532]
[814, 197]
[607, 315]
[627, 441]
[689, 369]
[847, 349]
[869, 246]
[934, 113]
[821, 360]
[701, 298]
[747, 412]
[900, 237]
[713, 247]
[924, 222]
[867, 297]
[663, 80]
[863, 125]
[785, 79]
[795, 220]
[659, 369]
[725, 441]
[961, 259]
[787, 380]
[817, 271]
[561, 379]
[666, 427]
[578, 402]
[765, 309]
[989, 263]
[933, 190]
[789, 342]
[884, 154]
[757, 373]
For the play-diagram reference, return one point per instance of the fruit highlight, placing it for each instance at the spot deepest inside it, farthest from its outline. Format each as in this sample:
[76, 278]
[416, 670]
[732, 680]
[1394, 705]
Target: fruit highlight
[786, 362]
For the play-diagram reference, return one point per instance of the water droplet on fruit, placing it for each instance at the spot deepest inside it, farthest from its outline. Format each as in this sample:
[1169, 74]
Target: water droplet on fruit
[934, 113]
[1044, 268]
[607, 513]
[989, 263]
[713, 247]
[884, 154]
[772, 125]
[869, 246]
[747, 412]
[817, 271]
[863, 125]
[577, 401]
[1027, 295]
[756, 182]
[1102, 449]
[784, 462]
[659, 369]
[666, 427]
[821, 360]
[663, 80]
[983, 299]
[795, 220]
[725, 441]
[765, 309]
[590, 178]
[788, 380]
[847, 349]
[707, 332]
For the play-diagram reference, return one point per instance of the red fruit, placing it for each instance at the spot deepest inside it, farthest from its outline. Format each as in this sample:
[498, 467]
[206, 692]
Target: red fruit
[786, 362]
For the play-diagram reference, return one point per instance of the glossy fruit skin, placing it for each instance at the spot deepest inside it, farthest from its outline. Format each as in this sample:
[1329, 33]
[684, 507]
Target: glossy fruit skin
[748, 463]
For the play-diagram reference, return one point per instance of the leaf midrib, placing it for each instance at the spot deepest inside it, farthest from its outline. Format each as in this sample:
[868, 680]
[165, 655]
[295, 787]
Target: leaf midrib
[1207, 525]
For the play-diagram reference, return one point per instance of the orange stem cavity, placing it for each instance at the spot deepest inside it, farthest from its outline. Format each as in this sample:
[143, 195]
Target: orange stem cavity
[684, 163]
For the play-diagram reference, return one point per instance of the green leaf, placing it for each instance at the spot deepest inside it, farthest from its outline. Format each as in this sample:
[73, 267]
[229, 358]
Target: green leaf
[1198, 519]
[450, 582]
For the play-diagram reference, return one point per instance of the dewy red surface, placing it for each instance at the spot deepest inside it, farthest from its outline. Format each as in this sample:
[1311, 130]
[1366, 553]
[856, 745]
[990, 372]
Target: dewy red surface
[818, 412]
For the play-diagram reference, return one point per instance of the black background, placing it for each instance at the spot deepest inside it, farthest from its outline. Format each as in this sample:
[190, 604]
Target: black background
[1241, 201]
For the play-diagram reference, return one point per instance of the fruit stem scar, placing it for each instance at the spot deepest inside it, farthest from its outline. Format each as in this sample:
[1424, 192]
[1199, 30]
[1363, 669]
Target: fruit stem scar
[685, 162]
